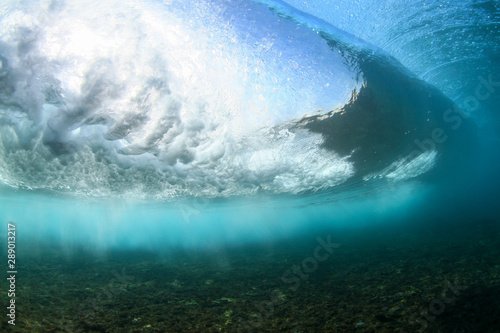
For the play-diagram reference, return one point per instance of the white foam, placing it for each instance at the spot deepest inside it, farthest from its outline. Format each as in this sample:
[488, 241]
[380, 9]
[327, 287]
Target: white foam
[412, 166]
[114, 98]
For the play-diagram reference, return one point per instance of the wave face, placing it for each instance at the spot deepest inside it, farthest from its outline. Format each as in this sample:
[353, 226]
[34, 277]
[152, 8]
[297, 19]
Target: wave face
[215, 99]
[447, 43]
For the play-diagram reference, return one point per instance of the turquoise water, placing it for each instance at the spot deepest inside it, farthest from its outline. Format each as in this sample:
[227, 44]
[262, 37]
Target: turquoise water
[232, 127]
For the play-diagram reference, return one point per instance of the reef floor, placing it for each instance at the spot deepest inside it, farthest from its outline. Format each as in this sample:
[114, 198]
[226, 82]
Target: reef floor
[409, 279]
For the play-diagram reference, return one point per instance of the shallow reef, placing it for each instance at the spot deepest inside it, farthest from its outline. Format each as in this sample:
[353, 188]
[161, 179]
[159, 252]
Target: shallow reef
[442, 278]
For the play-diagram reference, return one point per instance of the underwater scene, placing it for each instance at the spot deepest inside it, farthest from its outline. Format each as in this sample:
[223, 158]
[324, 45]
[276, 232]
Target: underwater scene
[250, 166]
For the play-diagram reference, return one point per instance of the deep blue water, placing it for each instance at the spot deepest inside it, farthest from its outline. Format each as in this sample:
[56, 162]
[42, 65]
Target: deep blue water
[208, 125]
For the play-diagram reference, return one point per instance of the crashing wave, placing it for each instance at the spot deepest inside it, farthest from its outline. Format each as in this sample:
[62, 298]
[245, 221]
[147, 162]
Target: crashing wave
[211, 98]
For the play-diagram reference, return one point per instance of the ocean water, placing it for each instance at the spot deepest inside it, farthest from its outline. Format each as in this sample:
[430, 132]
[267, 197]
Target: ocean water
[250, 166]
